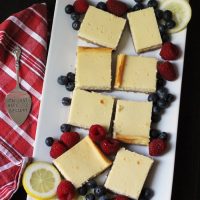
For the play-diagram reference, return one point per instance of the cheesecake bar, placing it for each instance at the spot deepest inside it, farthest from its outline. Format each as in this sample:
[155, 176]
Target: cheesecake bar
[132, 122]
[82, 162]
[136, 73]
[128, 173]
[93, 68]
[88, 108]
[101, 28]
[144, 30]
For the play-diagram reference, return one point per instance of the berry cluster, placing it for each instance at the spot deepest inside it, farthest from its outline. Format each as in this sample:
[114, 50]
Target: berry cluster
[68, 81]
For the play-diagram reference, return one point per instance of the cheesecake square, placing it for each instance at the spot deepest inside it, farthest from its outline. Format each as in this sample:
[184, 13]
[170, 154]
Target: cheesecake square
[101, 28]
[93, 68]
[136, 73]
[128, 173]
[144, 30]
[132, 122]
[88, 108]
[82, 162]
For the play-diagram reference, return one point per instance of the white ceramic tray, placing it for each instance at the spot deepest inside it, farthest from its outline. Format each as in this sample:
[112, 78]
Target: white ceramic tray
[61, 59]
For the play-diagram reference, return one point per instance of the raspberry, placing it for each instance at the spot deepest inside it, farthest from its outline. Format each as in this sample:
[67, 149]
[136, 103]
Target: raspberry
[65, 190]
[81, 6]
[70, 139]
[116, 7]
[157, 147]
[97, 133]
[120, 197]
[169, 51]
[57, 149]
[167, 71]
[110, 146]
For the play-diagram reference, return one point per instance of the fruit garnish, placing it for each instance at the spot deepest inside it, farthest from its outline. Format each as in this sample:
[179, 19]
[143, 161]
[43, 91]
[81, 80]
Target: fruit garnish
[157, 147]
[57, 149]
[81, 6]
[110, 146]
[181, 10]
[120, 197]
[40, 180]
[97, 133]
[169, 51]
[70, 139]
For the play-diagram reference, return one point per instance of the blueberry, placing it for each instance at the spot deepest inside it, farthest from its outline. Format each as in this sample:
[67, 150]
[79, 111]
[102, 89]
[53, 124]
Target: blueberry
[162, 28]
[75, 16]
[170, 24]
[152, 3]
[62, 80]
[49, 141]
[138, 6]
[71, 77]
[66, 101]
[155, 118]
[104, 197]
[154, 133]
[162, 93]
[69, 9]
[167, 15]
[147, 193]
[165, 37]
[101, 5]
[156, 110]
[170, 98]
[159, 14]
[65, 128]
[91, 184]
[70, 86]
[99, 191]
[162, 104]
[153, 97]
[90, 197]
[82, 190]
[160, 83]
[76, 25]
[163, 136]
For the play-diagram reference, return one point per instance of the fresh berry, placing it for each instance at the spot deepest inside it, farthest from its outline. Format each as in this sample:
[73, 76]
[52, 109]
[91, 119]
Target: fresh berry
[120, 197]
[116, 7]
[162, 104]
[70, 86]
[160, 83]
[90, 196]
[162, 93]
[167, 15]
[57, 149]
[70, 76]
[110, 146]
[153, 97]
[154, 133]
[66, 101]
[99, 191]
[101, 5]
[156, 110]
[81, 6]
[104, 197]
[65, 190]
[155, 118]
[170, 24]
[62, 80]
[159, 14]
[169, 51]
[162, 28]
[75, 16]
[138, 6]
[82, 190]
[170, 98]
[157, 147]
[167, 71]
[152, 3]
[70, 139]
[65, 128]
[163, 136]
[165, 37]
[69, 9]
[147, 193]
[76, 25]
[49, 141]
[97, 133]
[91, 184]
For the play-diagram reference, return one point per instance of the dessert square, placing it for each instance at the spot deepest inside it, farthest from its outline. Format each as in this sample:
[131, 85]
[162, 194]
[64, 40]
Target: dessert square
[82, 162]
[102, 28]
[144, 30]
[128, 173]
[93, 68]
[88, 108]
[132, 122]
[136, 73]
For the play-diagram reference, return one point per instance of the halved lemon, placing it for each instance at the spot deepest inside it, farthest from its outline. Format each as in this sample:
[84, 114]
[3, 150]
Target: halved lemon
[181, 10]
[40, 180]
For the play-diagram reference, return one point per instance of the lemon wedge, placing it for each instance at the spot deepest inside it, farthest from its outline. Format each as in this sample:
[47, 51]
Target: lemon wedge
[181, 10]
[40, 180]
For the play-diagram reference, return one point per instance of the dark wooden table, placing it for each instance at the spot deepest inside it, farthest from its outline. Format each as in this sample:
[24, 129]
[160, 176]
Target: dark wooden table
[186, 185]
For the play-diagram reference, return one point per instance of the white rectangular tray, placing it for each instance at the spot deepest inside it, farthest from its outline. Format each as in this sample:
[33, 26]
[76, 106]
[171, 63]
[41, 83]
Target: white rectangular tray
[61, 59]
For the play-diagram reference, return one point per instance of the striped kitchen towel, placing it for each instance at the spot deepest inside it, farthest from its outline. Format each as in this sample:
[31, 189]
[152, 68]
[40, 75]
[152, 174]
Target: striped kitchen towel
[28, 30]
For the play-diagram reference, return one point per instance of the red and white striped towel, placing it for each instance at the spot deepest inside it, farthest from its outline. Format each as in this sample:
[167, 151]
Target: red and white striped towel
[28, 30]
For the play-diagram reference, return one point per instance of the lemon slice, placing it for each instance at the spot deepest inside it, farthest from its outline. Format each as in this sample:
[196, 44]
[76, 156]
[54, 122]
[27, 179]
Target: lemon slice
[40, 180]
[181, 10]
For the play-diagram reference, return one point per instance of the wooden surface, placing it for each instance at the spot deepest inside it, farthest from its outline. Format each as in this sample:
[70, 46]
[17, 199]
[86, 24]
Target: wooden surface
[186, 184]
